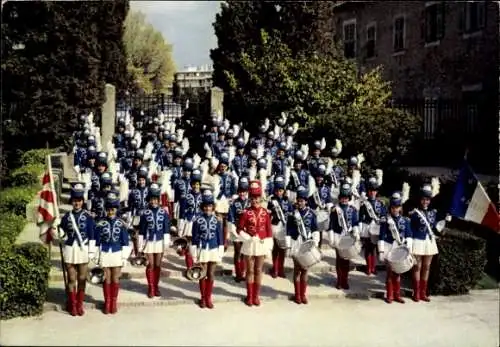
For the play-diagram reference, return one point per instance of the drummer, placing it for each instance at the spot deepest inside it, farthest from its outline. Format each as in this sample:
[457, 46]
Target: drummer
[344, 221]
[235, 210]
[280, 207]
[301, 227]
[395, 230]
[322, 201]
[370, 212]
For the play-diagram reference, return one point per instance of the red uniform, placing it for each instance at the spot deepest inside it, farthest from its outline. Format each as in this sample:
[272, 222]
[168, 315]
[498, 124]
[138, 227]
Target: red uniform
[256, 222]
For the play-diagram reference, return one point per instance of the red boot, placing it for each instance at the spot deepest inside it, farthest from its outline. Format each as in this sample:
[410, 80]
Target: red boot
[416, 290]
[150, 279]
[303, 289]
[389, 288]
[79, 302]
[256, 293]
[396, 283]
[368, 260]
[297, 298]
[203, 290]
[188, 258]
[208, 296]
[72, 303]
[423, 291]
[373, 263]
[249, 298]
[338, 270]
[237, 270]
[281, 264]
[106, 289]
[157, 274]
[115, 288]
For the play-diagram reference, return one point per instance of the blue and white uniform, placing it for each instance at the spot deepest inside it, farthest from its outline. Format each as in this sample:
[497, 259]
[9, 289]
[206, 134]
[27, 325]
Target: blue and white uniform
[154, 230]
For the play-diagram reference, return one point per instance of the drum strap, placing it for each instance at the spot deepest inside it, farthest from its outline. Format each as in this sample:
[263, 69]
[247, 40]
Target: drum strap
[371, 212]
[343, 223]
[279, 211]
[426, 222]
[300, 225]
[394, 229]
[77, 230]
[295, 178]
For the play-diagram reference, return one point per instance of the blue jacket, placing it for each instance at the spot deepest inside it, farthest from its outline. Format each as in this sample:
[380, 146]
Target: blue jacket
[303, 176]
[419, 227]
[309, 220]
[240, 162]
[190, 206]
[278, 167]
[85, 224]
[154, 224]
[404, 229]
[137, 200]
[350, 215]
[227, 185]
[207, 232]
[314, 163]
[80, 156]
[97, 205]
[378, 207]
[286, 207]
[236, 209]
[324, 195]
[111, 234]
[181, 186]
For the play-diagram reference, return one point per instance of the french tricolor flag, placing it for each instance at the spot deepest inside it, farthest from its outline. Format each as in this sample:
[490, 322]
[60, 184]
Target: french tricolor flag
[471, 202]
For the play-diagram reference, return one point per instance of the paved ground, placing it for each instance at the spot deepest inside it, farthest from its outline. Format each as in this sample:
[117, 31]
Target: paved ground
[449, 322]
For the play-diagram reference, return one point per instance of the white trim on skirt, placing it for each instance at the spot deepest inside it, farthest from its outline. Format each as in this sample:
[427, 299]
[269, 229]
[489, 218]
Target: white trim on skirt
[210, 255]
[111, 259]
[256, 247]
[75, 255]
[154, 247]
[425, 247]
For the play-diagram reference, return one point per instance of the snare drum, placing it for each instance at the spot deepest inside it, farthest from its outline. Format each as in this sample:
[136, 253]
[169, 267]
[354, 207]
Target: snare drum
[308, 254]
[400, 259]
[323, 220]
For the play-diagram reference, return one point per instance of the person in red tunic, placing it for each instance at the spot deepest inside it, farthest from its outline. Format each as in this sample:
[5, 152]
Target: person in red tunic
[254, 229]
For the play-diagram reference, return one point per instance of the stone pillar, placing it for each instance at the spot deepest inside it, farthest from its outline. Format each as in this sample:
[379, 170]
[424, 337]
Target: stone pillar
[217, 100]
[108, 111]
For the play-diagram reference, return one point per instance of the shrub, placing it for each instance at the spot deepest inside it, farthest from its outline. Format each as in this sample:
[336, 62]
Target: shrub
[34, 157]
[24, 274]
[15, 199]
[10, 227]
[459, 265]
[27, 175]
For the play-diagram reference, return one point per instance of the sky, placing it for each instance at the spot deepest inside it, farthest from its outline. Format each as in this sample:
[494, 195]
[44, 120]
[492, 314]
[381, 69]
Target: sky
[187, 25]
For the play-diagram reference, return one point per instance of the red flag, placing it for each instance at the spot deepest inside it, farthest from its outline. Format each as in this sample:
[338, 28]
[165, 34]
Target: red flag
[47, 208]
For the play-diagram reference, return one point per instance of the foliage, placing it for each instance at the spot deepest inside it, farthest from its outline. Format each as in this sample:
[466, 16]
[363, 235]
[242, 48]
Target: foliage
[34, 156]
[26, 175]
[56, 59]
[459, 265]
[149, 56]
[24, 273]
[15, 199]
[10, 228]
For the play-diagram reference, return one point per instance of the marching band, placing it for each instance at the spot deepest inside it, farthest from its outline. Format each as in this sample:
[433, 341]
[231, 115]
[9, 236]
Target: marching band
[267, 195]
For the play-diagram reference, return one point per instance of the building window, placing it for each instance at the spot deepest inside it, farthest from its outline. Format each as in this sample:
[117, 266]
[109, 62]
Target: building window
[473, 16]
[434, 22]
[371, 35]
[350, 38]
[399, 33]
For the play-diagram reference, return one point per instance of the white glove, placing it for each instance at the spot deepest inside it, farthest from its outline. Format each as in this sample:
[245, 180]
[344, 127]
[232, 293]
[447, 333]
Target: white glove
[409, 243]
[193, 250]
[92, 246]
[61, 235]
[166, 242]
[381, 257]
[77, 169]
[245, 236]
[380, 246]
[331, 238]
[447, 218]
[221, 251]
[316, 237]
[329, 206]
[355, 233]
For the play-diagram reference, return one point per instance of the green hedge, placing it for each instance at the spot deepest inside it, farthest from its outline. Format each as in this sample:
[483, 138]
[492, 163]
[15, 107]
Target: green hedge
[15, 199]
[459, 265]
[11, 226]
[34, 157]
[24, 273]
[27, 175]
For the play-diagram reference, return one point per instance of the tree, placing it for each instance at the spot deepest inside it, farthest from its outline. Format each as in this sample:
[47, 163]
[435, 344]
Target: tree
[328, 97]
[149, 56]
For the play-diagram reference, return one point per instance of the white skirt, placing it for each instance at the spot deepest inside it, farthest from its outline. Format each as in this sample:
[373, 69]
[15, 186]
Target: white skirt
[185, 228]
[75, 255]
[425, 247]
[111, 259]
[154, 247]
[210, 255]
[255, 247]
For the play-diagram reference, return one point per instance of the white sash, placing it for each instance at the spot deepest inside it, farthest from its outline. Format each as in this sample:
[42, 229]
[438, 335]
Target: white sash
[426, 222]
[342, 221]
[77, 230]
[371, 212]
[295, 178]
[300, 225]
[393, 229]
[279, 211]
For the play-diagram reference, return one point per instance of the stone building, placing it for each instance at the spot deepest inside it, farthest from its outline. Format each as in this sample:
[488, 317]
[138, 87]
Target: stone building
[192, 81]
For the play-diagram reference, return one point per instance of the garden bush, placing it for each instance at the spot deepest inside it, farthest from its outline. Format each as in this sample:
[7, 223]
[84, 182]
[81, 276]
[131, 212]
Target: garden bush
[10, 227]
[459, 265]
[27, 175]
[34, 157]
[24, 273]
[15, 199]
